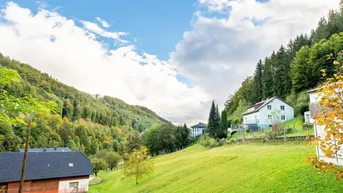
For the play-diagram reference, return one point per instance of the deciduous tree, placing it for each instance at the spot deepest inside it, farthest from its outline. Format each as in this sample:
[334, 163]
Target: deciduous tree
[330, 117]
[138, 164]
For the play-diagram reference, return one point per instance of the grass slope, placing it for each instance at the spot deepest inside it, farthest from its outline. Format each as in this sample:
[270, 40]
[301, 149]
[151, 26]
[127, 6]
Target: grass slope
[230, 168]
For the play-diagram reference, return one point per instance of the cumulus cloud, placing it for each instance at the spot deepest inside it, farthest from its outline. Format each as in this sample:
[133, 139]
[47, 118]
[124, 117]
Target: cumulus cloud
[95, 28]
[221, 50]
[103, 22]
[56, 45]
[217, 53]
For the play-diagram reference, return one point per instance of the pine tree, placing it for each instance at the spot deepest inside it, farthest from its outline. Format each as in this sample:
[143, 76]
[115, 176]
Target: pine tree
[213, 126]
[223, 125]
[217, 122]
[282, 83]
[257, 84]
[210, 125]
[267, 79]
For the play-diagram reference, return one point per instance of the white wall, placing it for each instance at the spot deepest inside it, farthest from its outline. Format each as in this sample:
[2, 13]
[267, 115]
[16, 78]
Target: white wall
[252, 118]
[261, 117]
[276, 112]
[64, 185]
[320, 131]
[197, 131]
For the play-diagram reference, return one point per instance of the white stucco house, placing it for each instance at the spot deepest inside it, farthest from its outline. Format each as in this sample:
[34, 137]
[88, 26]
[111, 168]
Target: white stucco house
[320, 131]
[198, 129]
[265, 113]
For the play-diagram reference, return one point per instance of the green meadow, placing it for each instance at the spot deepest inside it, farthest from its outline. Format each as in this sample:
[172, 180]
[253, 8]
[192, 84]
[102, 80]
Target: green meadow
[253, 167]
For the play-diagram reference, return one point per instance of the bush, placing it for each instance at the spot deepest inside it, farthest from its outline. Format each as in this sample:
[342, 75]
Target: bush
[209, 142]
[307, 126]
[289, 130]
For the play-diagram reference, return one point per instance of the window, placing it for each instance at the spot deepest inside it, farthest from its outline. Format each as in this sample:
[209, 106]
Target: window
[269, 107]
[282, 107]
[74, 185]
[269, 117]
[283, 117]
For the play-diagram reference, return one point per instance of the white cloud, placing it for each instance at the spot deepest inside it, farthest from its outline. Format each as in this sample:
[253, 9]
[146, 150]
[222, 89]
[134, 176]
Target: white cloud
[103, 22]
[93, 27]
[216, 54]
[221, 50]
[56, 45]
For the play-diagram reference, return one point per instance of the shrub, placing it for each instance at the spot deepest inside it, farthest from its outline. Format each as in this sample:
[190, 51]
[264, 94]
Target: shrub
[289, 130]
[209, 142]
[307, 126]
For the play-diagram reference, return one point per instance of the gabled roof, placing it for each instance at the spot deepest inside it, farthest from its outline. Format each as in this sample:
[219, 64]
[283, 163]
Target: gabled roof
[256, 107]
[57, 149]
[43, 165]
[313, 90]
[199, 125]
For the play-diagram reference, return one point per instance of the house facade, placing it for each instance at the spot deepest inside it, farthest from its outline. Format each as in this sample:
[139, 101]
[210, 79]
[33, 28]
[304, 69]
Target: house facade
[46, 172]
[319, 130]
[265, 113]
[198, 129]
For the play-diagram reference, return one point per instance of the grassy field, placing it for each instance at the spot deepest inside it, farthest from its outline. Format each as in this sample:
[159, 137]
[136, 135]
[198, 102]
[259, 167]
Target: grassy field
[230, 168]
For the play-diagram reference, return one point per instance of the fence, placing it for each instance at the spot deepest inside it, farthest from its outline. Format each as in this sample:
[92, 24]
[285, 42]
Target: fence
[277, 139]
[254, 133]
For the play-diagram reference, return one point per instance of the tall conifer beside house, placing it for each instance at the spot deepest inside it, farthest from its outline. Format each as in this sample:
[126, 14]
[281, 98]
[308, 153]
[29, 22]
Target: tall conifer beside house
[223, 125]
[213, 127]
[210, 126]
[267, 79]
[257, 88]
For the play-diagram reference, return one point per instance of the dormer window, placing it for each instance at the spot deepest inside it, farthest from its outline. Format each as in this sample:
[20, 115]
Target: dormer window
[269, 107]
[282, 107]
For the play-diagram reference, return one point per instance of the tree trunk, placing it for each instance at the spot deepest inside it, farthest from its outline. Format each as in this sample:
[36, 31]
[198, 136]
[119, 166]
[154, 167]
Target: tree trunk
[25, 155]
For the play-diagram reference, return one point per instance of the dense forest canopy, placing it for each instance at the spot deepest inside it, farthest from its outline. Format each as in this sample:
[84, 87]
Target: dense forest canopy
[293, 69]
[82, 122]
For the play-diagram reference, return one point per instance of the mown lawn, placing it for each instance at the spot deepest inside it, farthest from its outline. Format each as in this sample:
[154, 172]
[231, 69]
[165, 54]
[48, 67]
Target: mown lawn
[230, 168]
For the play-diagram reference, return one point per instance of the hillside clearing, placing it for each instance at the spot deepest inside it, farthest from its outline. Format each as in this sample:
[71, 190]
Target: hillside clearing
[230, 168]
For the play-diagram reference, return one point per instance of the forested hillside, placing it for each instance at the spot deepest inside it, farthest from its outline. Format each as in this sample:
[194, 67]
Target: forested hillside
[293, 69]
[81, 121]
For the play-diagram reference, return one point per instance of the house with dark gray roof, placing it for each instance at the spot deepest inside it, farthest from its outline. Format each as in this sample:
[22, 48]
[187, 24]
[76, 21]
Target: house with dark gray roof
[51, 172]
[267, 112]
[198, 129]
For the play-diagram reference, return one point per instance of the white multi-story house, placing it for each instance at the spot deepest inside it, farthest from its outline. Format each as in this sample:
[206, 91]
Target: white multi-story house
[198, 129]
[268, 112]
[319, 130]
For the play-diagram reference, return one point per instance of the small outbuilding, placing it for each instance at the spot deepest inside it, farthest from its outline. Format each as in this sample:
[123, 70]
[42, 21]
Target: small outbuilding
[46, 172]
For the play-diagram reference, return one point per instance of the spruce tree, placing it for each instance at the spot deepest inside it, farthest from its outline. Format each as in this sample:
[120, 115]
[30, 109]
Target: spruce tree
[257, 88]
[211, 121]
[223, 125]
[267, 79]
[217, 122]
[282, 83]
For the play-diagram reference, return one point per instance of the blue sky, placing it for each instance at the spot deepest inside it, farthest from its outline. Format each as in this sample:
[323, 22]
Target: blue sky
[156, 25]
[172, 56]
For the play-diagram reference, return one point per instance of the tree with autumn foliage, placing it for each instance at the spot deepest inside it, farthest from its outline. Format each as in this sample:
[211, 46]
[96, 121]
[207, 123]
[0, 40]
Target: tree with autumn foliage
[330, 117]
[138, 164]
